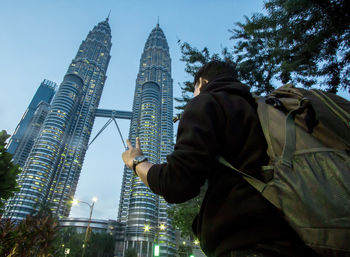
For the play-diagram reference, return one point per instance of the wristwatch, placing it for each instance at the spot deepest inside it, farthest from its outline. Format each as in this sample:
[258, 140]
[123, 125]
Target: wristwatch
[138, 159]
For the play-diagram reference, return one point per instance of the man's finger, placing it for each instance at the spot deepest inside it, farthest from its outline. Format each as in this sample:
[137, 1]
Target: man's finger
[129, 144]
[138, 142]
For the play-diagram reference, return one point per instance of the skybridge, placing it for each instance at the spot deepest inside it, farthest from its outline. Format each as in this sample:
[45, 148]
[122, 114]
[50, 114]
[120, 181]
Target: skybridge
[112, 115]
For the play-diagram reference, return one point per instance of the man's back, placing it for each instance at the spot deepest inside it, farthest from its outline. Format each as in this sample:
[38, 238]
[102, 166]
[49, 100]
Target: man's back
[221, 120]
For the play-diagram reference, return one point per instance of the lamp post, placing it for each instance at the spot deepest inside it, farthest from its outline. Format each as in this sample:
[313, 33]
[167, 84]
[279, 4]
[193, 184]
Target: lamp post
[75, 202]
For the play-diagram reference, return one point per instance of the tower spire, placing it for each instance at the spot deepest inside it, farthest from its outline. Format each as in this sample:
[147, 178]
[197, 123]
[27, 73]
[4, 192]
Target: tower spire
[107, 19]
[158, 22]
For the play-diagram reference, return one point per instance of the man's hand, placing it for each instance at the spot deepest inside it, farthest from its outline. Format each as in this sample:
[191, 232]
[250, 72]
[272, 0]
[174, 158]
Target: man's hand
[128, 158]
[129, 155]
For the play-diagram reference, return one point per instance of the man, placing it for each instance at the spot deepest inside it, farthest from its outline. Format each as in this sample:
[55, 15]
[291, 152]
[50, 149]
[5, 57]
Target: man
[221, 119]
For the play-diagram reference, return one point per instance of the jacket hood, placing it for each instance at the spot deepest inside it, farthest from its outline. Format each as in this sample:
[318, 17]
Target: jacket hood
[231, 86]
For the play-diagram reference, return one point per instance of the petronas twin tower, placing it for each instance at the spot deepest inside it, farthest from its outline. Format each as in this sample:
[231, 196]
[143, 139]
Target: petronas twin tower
[51, 172]
[143, 213]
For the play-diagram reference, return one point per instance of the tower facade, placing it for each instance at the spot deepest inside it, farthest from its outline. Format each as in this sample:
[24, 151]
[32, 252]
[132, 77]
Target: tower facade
[142, 213]
[51, 172]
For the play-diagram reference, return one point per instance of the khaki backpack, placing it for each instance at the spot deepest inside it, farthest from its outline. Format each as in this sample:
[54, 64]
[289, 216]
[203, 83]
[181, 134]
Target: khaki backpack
[308, 178]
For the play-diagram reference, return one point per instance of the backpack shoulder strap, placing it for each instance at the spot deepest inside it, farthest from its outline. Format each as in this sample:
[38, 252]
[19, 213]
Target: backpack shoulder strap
[257, 184]
[263, 114]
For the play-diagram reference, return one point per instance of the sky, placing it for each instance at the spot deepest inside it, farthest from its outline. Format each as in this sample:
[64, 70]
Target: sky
[39, 39]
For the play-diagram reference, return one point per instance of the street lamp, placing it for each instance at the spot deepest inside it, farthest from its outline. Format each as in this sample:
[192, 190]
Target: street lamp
[75, 202]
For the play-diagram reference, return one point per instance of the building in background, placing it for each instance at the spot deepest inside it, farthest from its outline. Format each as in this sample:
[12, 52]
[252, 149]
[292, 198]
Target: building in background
[27, 141]
[45, 93]
[51, 172]
[142, 213]
[96, 225]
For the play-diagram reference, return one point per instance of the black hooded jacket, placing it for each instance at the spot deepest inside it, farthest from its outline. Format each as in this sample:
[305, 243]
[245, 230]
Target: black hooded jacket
[221, 120]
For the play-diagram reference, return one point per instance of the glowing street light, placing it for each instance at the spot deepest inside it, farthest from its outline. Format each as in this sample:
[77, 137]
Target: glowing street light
[162, 227]
[196, 242]
[147, 228]
[75, 202]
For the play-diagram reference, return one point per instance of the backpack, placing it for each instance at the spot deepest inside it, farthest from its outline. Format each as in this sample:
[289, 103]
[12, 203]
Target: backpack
[308, 177]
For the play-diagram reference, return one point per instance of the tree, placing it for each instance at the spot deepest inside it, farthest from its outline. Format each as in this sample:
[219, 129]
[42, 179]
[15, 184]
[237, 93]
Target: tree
[301, 41]
[183, 214]
[33, 236]
[304, 41]
[8, 172]
[36, 236]
[99, 244]
[256, 62]
[8, 236]
[70, 238]
[67, 238]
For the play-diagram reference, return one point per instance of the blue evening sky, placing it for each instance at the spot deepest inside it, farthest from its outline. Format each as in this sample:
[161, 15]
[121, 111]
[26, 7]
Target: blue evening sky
[39, 38]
